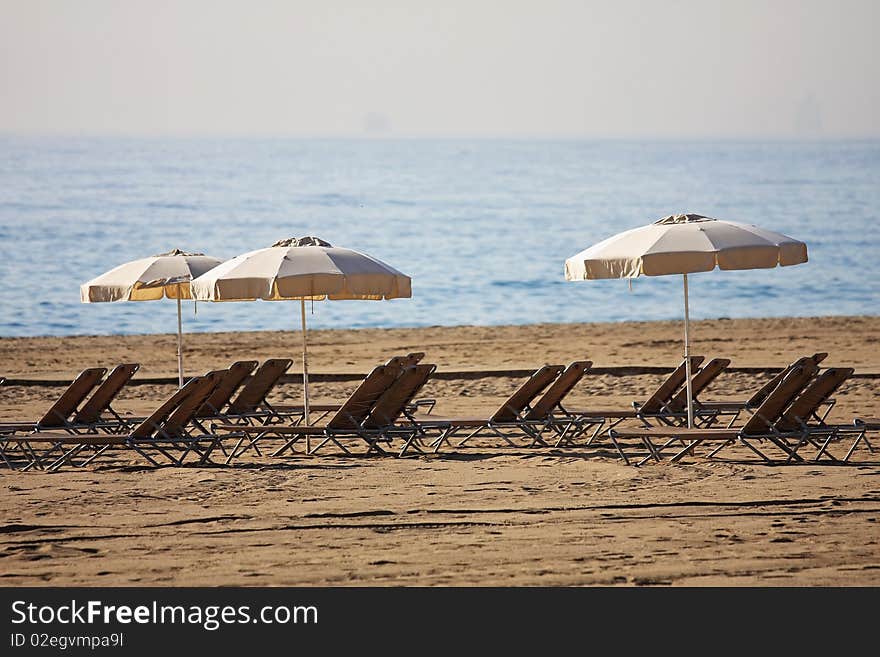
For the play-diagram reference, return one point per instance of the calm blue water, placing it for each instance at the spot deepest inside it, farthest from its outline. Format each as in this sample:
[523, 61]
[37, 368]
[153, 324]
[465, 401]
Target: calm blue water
[483, 227]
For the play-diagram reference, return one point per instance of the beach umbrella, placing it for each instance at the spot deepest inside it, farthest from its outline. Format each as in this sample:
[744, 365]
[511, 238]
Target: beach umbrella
[685, 244]
[303, 269]
[166, 275]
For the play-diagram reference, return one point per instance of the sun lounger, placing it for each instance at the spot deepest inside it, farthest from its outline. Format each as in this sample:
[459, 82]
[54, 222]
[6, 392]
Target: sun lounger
[735, 407]
[291, 411]
[656, 408]
[657, 405]
[345, 422]
[507, 420]
[230, 382]
[251, 404]
[758, 427]
[100, 402]
[165, 432]
[381, 424]
[61, 412]
[548, 414]
[861, 427]
[94, 412]
[550, 410]
[391, 416]
[803, 422]
[699, 382]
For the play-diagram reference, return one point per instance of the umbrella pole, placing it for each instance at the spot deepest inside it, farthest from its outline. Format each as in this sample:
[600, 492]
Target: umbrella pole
[305, 368]
[687, 355]
[179, 342]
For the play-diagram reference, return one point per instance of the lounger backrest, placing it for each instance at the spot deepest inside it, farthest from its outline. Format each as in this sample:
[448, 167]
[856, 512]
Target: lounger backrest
[186, 410]
[357, 407]
[558, 390]
[699, 382]
[258, 386]
[393, 401]
[814, 395]
[151, 424]
[231, 381]
[72, 397]
[768, 387]
[406, 361]
[105, 393]
[511, 409]
[656, 402]
[769, 412]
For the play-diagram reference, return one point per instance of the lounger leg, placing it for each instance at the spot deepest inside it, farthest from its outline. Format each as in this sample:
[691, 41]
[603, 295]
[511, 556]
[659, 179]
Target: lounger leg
[140, 451]
[6, 453]
[289, 445]
[733, 419]
[373, 446]
[684, 452]
[65, 458]
[503, 437]
[3, 449]
[35, 460]
[613, 438]
[445, 435]
[205, 456]
[474, 433]
[329, 439]
[860, 437]
[599, 425]
[652, 451]
[610, 428]
[823, 450]
[235, 453]
[562, 433]
[718, 449]
[97, 453]
[413, 440]
[782, 444]
[406, 444]
[232, 453]
[754, 449]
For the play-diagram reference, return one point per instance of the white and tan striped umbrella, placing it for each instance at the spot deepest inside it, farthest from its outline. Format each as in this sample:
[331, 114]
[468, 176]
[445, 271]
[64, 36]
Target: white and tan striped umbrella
[685, 244]
[303, 269]
[166, 275]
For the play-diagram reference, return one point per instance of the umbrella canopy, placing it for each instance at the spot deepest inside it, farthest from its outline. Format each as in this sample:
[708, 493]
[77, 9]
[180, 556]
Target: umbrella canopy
[166, 275]
[305, 268]
[147, 279]
[685, 244]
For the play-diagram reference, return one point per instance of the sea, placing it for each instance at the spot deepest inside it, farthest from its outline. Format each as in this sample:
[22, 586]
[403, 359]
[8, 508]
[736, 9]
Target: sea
[483, 226]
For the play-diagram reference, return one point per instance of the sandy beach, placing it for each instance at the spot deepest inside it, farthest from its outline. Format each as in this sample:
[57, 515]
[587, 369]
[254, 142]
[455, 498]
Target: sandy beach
[485, 514]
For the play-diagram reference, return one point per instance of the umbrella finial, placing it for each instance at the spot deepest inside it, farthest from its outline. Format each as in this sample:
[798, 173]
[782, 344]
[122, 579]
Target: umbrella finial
[176, 252]
[683, 219]
[302, 241]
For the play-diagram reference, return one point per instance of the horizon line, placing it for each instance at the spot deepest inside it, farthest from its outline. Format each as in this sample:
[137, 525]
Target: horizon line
[354, 136]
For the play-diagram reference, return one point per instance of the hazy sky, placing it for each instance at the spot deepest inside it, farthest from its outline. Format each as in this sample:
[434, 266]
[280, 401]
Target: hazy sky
[661, 68]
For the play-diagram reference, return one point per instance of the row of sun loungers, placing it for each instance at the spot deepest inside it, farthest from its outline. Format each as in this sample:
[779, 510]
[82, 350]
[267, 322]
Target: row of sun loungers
[789, 417]
[227, 411]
